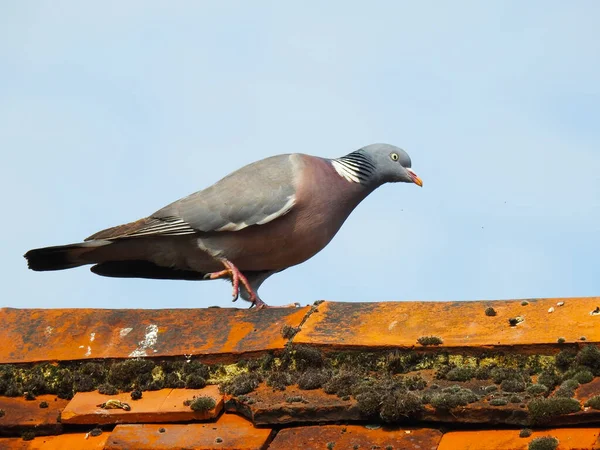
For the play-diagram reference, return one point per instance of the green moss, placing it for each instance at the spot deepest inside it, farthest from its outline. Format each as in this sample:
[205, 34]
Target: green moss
[542, 410]
[491, 312]
[453, 397]
[43, 405]
[2, 413]
[561, 340]
[593, 402]
[330, 445]
[514, 321]
[430, 340]
[28, 436]
[512, 385]
[306, 357]
[524, 303]
[289, 332]
[460, 374]
[203, 403]
[278, 380]
[499, 401]
[241, 384]
[543, 443]
[313, 379]
[194, 381]
[567, 389]
[589, 356]
[536, 389]
[549, 378]
[525, 433]
[490, 389]
[342, 383]
[136, 394]
[400, 405]
[565, 358]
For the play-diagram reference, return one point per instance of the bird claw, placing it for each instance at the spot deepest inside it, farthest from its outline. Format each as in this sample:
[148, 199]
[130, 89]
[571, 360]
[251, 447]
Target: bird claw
[236, 277]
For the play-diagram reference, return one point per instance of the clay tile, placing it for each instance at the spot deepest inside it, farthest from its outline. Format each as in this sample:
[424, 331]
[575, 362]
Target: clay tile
[166, 405]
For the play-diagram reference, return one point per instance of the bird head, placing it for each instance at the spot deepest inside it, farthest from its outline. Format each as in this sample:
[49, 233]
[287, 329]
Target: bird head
[392, 164]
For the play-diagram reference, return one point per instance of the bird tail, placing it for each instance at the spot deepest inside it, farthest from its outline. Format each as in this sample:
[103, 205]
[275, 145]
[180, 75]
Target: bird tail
[62, 256]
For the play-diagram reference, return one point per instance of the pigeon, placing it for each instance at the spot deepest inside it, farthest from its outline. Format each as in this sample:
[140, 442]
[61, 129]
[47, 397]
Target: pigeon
[259, 220]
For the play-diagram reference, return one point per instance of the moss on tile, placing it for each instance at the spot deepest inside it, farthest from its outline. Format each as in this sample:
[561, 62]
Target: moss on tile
[543, 443]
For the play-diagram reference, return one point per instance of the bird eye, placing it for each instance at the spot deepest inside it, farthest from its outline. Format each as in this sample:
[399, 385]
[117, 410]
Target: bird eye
[394, 156]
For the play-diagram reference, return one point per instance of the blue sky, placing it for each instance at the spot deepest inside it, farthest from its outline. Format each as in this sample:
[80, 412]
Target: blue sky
[111, 110]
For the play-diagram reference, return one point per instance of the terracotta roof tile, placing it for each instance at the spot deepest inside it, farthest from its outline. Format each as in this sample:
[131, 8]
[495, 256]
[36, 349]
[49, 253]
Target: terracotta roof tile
[20, 413]
[166, 405]
[354, 436]
[71, 441]
[75, 334]
[458, 324]
[457, 365]
[568, 438]
[229, 432]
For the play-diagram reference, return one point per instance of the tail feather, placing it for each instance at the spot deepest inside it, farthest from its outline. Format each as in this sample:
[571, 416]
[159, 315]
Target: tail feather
[60, 257]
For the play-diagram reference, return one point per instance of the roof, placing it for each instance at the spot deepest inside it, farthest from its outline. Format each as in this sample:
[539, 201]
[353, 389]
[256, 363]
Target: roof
[428, 375]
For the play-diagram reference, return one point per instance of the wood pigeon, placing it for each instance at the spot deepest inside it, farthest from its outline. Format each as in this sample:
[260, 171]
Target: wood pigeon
[257, 221]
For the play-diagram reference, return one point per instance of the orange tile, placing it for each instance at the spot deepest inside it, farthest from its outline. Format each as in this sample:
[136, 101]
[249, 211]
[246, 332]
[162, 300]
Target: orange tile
[459, 324]
[569, 439]
[165, 405]
[73, 441]
[229, 432]
[347, 437]
[31, 335]
[27, 413]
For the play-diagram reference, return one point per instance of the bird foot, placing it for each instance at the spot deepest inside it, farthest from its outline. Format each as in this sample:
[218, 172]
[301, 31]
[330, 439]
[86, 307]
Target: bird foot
[260, 305]
[236, 277]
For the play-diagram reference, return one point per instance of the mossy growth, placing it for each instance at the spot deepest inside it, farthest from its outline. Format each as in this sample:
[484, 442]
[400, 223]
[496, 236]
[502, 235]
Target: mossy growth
[499, 401]
[589, 356]
[542, 410]
[524, 303]
[565, 358]
[543, 443]
[593, 402]
[330, 445]
[278, 380]
[536, 389]
[107, 389]
[202, 403]
[136, 394]
[549, 378]
[288, 332]
[43, 405]
[2, 413]
[387, 398]
[342, 383]
[28, 435]
[567, 389]
[512, 385]
[460, 374]
[452, 397]
[561, 340]
[95, 432]
[241, 384]
[430, 340]
[525, 433]
[313, 379]
[491, 312]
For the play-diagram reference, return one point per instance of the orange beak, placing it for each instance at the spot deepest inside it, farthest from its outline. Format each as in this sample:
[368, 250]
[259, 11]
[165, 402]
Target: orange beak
[415, 178]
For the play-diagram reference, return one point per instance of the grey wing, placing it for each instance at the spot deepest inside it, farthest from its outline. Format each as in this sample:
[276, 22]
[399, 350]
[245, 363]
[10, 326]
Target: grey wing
[253, 195]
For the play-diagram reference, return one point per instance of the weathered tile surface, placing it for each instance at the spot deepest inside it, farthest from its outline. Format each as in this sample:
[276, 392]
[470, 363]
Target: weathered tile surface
[229, 432]
[165, 405]
[347, 437]
[71, 441]
[20, 413]
[459, 324]
[71, 334]
[569, 439]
